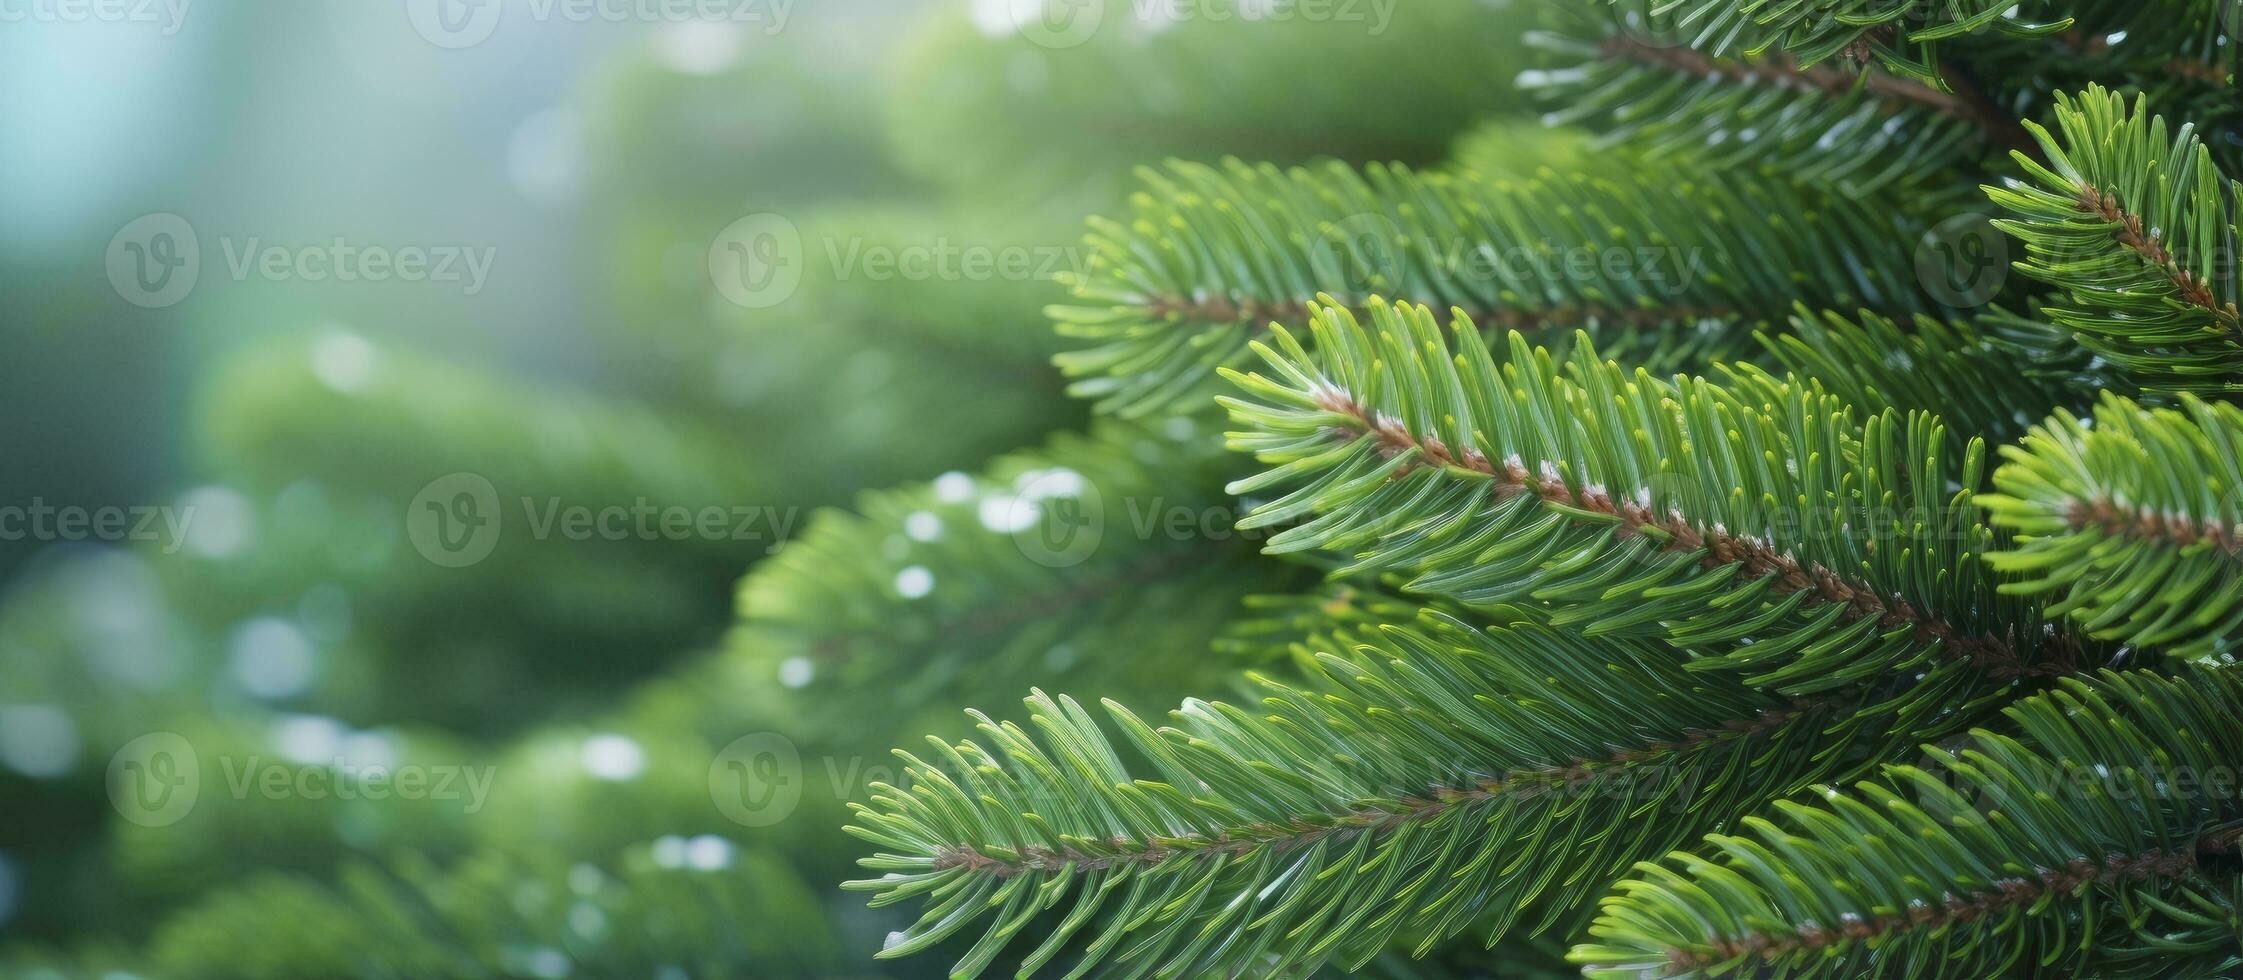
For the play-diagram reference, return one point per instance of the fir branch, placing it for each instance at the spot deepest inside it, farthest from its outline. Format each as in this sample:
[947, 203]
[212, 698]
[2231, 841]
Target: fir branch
[1713, 547]
[2137, 228]
[2148, 244]
[2004, 897]
[1415, 779]
[2113, 519]
[1052, 562]
[2001, 855]
[1856, 132]
[1963, 370]
[1571, 775]
[1762, 529]
[1679, 263]
[2131, 522]
[1902, 39]
[1958, 96]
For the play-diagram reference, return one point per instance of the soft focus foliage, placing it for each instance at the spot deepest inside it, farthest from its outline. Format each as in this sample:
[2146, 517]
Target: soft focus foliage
[1495, 488]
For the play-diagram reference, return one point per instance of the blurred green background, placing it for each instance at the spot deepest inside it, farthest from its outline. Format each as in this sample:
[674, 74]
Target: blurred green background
[923, 170]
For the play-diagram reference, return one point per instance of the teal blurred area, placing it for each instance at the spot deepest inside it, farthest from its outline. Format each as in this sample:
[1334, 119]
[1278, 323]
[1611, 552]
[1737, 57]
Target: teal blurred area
[292, 288]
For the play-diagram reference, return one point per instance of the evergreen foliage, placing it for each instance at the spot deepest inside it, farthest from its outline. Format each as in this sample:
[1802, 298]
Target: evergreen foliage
[1771, 530]
[2130, 522]
[1095, 559]
[1594, 543]
[2137, 228]
[1408, 784]
[2014, 851]
[1960, 370]
[1774, 529]
[1663, 265]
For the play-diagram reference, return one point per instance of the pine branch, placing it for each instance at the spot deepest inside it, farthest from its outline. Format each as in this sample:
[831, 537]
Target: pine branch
[2139, 231]
[1283, 628]
[2196, 933]
[1903, 39]
[1765, 530]
[2133, 520]
[1954, 95]
[1992, 860]
[1423, 777]
[1958, 369]
[1066, 562]
[1858, 132]
[1653, 259]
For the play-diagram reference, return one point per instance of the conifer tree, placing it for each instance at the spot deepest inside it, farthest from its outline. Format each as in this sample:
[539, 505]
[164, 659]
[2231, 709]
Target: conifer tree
[1799, 614]
[1683, 489]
